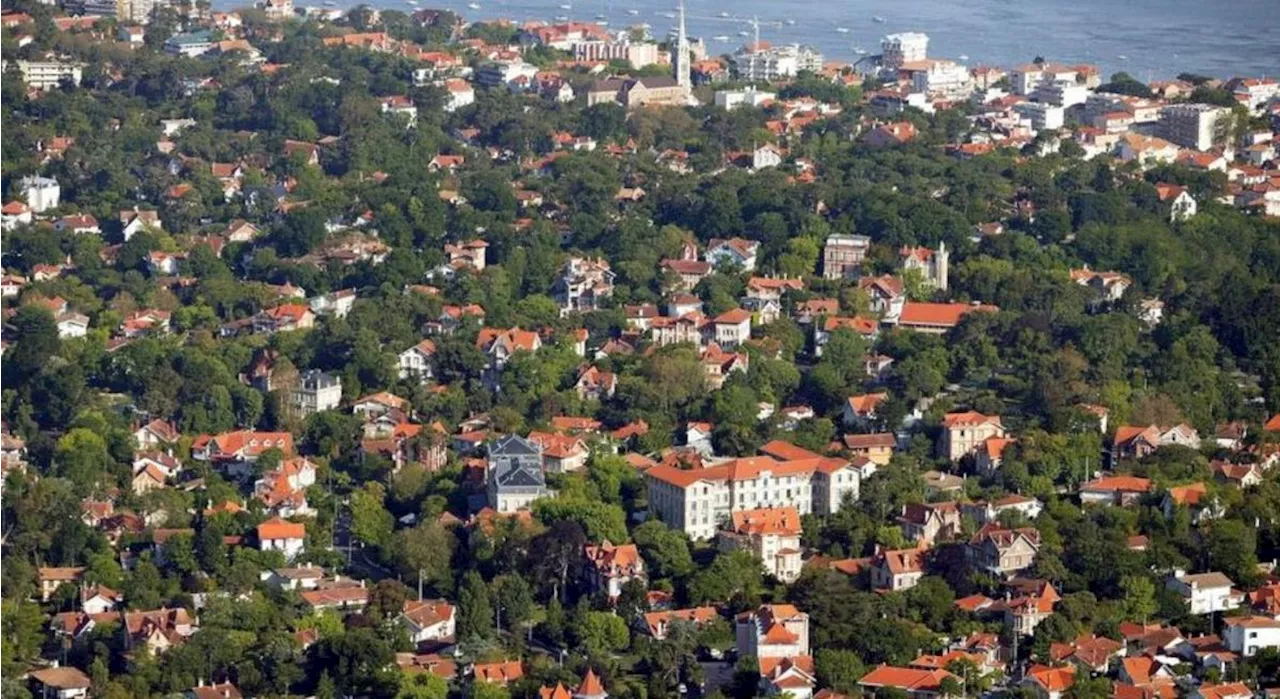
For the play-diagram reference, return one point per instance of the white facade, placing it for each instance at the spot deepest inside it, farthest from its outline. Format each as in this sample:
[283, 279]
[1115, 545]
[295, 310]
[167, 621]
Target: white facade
[1061, 93]
[1205, 593]
[290, 547]
[316, 391]
[775, 63]
[42, 193]
[943, 77]
[1192, 125]
[697, 503]
[896, 49]
[1041, 115]
[47, 75]
[749, 97]
[498, 73]
[1249, 635]
[416, 361]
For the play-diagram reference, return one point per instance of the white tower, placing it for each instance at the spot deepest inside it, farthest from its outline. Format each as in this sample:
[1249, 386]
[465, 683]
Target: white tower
[681, 58]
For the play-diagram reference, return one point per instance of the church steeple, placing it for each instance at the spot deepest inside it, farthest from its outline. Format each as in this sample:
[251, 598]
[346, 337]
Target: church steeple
[681, 57]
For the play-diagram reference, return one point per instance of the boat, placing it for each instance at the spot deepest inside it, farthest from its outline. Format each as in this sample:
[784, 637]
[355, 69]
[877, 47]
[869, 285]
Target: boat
[878, 19]
[720, 37]
[474, 5]
[964, 56]
[859, 50]
[791, 21]
[599, 17]
[562, 18]
[842, 30]
[566, 7]
[744, 33]
[724, 14]
[1122, 57]
[668, 15]
[633, 12]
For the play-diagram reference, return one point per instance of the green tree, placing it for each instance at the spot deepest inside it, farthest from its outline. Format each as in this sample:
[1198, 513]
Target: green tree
[665, 550]
[599, 520]
[513, 600]
[422, 685]
[370, 520]
[603, 632]
[839, 669]
[1139, 601]
[475, 610]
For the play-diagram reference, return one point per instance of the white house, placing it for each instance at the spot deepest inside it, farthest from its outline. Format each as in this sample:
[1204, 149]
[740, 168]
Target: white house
[1205, 593]
[281, 535]
[429, 620]
[416, 361]
[460, 94]
[1250, 634]
[733, 328]
[735, 250]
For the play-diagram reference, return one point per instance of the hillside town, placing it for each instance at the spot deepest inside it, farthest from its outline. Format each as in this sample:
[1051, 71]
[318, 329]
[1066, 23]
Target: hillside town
[379, 353]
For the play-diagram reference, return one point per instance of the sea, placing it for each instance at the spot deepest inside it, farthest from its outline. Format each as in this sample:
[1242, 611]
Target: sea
[1149, 39]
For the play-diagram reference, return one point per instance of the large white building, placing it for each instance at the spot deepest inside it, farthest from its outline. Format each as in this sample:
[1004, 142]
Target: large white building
[638, 53]
[946, 78]
[747, 97]
[896, 49]
[511, 73]
[1061, 93]
[47, 75]
[769, 63]
[41, 193]
[1041, 115]
[1196, 126]
[701, 500]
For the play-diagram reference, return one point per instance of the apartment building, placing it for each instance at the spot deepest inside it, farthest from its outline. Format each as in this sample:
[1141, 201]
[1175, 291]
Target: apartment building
[946, 78]
[1197, 126]
[1061, 93]
[770, 63]
[639, 54]
[1041, 115]
[699, 501]
[896, 49]
[47, 75]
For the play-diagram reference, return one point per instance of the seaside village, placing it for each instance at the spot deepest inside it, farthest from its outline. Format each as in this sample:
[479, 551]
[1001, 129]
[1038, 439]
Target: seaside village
[759, 503]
